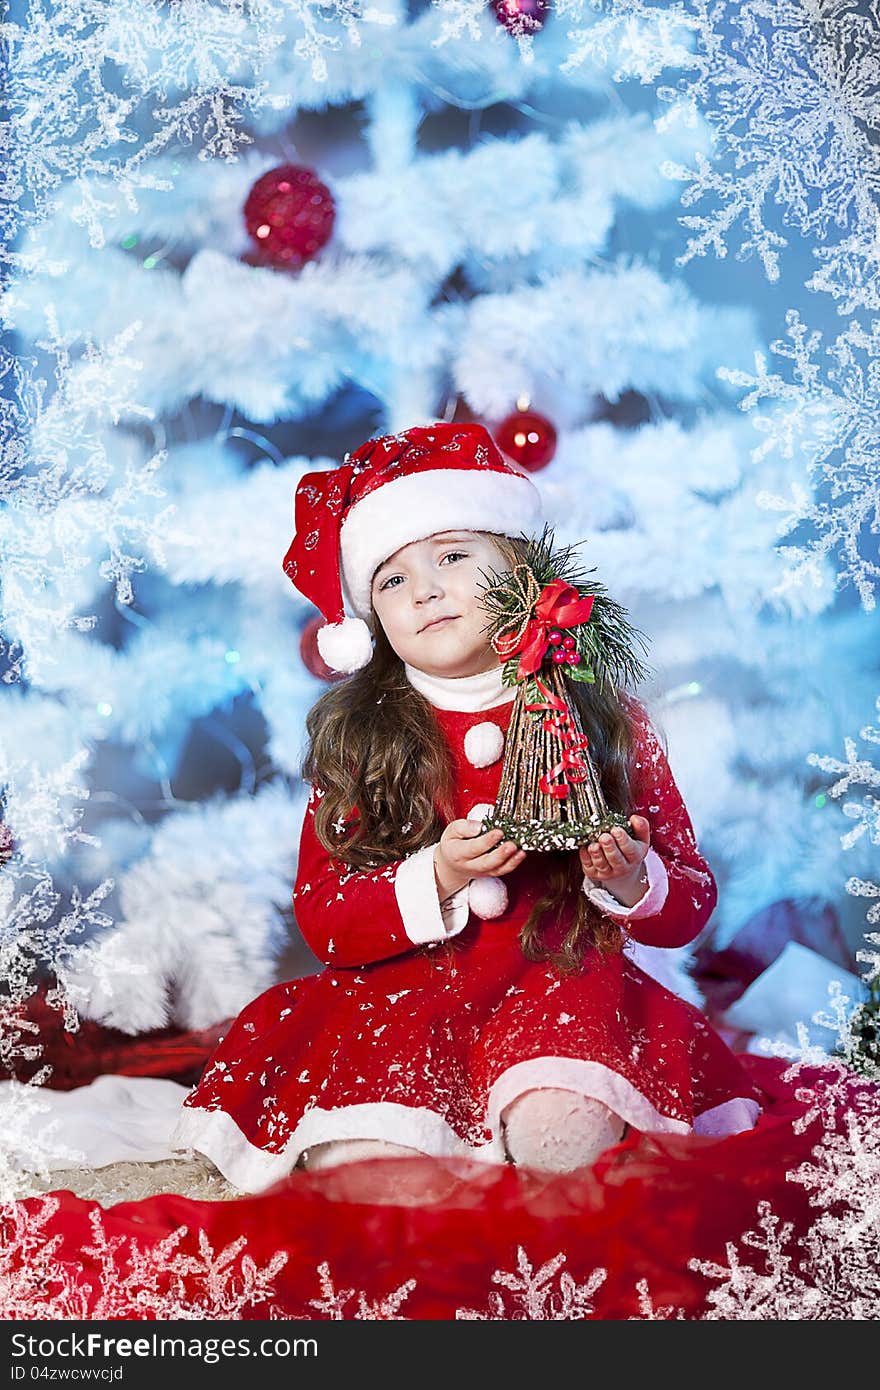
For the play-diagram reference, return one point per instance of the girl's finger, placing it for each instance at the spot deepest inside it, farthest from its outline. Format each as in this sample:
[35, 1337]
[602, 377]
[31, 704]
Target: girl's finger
[494, 857]
[513, 862]
[489, 837]
[628, 847]
[613, 855]
[598, 875]
[617, 863]
[641, 829]
[481, 844]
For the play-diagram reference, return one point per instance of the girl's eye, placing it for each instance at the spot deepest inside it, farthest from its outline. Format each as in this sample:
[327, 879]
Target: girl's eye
[457, 554]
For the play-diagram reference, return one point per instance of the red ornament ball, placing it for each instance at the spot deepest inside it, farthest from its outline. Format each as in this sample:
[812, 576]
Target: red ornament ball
[573, 658]
[554, 636]
[528, 438]
[289, 213]
[521, 17]
[569, 643]
[311, 657]
[559, 655]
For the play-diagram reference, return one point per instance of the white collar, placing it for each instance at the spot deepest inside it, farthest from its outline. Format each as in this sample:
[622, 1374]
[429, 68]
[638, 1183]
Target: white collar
[470, 693]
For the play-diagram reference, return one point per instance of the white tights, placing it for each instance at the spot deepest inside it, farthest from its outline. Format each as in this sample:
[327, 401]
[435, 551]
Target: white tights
[554, 1130]
[350, 1151]
[558, 1131]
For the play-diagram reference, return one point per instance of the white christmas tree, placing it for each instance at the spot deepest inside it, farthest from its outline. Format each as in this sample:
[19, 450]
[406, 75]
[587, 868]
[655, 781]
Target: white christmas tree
[506, 232]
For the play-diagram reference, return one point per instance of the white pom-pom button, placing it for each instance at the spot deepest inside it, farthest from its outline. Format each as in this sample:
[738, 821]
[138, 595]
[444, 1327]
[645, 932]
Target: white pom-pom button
[480, 811]
[487, 897]
[483, 744]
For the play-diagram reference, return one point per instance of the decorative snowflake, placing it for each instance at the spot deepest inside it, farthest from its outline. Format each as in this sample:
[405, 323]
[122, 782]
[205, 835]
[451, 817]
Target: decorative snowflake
[31, 931]
[829, 416]
[159, 1282]
[333, 1303]
[647, 1311]
[858, 772]
[538, 1294]
[771, 1293]
[833, 1272]
[790, 90]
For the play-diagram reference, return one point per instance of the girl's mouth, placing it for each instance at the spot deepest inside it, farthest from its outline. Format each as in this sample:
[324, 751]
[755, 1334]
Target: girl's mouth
[438, 622]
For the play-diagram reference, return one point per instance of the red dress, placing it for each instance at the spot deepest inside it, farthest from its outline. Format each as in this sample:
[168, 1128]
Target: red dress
[427, 1020]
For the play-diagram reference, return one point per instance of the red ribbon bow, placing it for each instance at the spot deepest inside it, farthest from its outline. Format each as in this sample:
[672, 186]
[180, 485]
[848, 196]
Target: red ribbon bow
[572, 767]
[558, 605]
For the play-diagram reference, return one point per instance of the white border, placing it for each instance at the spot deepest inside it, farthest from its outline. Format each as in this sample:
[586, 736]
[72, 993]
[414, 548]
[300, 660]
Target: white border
[409, 508]
[425, 918]
[252, 1169]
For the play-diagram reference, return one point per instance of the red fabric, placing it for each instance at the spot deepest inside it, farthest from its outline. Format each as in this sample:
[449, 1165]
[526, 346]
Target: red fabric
[76, 1058]
[643, 1212]
[433, 1027]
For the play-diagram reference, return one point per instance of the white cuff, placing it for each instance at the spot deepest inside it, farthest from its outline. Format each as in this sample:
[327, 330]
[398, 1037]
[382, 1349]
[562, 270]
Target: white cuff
[455, 910]
[415, 888]
[653, 900]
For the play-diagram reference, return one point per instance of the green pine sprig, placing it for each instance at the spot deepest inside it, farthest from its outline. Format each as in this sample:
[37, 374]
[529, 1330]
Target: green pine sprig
[862, 1050]
[605, 642]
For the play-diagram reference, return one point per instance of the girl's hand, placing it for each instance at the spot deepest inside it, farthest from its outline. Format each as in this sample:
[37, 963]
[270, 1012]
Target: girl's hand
[615, 860]
[464, 853]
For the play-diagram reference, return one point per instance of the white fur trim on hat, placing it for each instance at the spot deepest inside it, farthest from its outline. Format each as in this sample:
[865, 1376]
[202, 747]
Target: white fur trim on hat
[420, 504]
[345, 646]
[483, 744]
[487, 897]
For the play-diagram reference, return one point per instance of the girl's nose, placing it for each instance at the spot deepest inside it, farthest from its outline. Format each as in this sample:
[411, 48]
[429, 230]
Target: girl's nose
[427, 587]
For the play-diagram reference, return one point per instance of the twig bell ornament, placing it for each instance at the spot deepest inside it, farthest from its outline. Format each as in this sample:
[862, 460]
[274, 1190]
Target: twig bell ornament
[395, 489]
[550, 626]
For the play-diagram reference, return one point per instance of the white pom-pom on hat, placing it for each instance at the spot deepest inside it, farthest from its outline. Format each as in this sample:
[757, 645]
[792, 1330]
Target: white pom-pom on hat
[483, 744]
[345, 646]
[487, 897]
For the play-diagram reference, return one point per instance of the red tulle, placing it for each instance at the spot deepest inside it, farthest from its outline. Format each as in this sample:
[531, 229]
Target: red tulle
[647, 1208]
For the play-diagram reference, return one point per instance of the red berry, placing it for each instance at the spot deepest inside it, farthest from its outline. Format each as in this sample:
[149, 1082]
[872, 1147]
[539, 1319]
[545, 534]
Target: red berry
[569, 643]
[559, 656]
[573, 658]
[554, 636]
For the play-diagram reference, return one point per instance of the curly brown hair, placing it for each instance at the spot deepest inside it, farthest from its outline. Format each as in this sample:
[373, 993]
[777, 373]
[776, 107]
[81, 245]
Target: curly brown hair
[375, 745]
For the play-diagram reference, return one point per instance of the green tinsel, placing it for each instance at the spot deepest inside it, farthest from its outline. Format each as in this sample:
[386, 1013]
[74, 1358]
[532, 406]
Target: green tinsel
[862, 1051]
[549, 835]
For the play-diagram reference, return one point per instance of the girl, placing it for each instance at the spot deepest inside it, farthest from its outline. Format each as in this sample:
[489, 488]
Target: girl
[477, 999]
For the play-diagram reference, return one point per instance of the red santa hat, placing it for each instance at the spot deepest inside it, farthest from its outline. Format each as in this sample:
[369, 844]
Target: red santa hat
[395, 489]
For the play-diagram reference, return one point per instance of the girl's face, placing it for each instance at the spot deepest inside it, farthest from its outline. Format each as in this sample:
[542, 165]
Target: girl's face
[426, 596]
